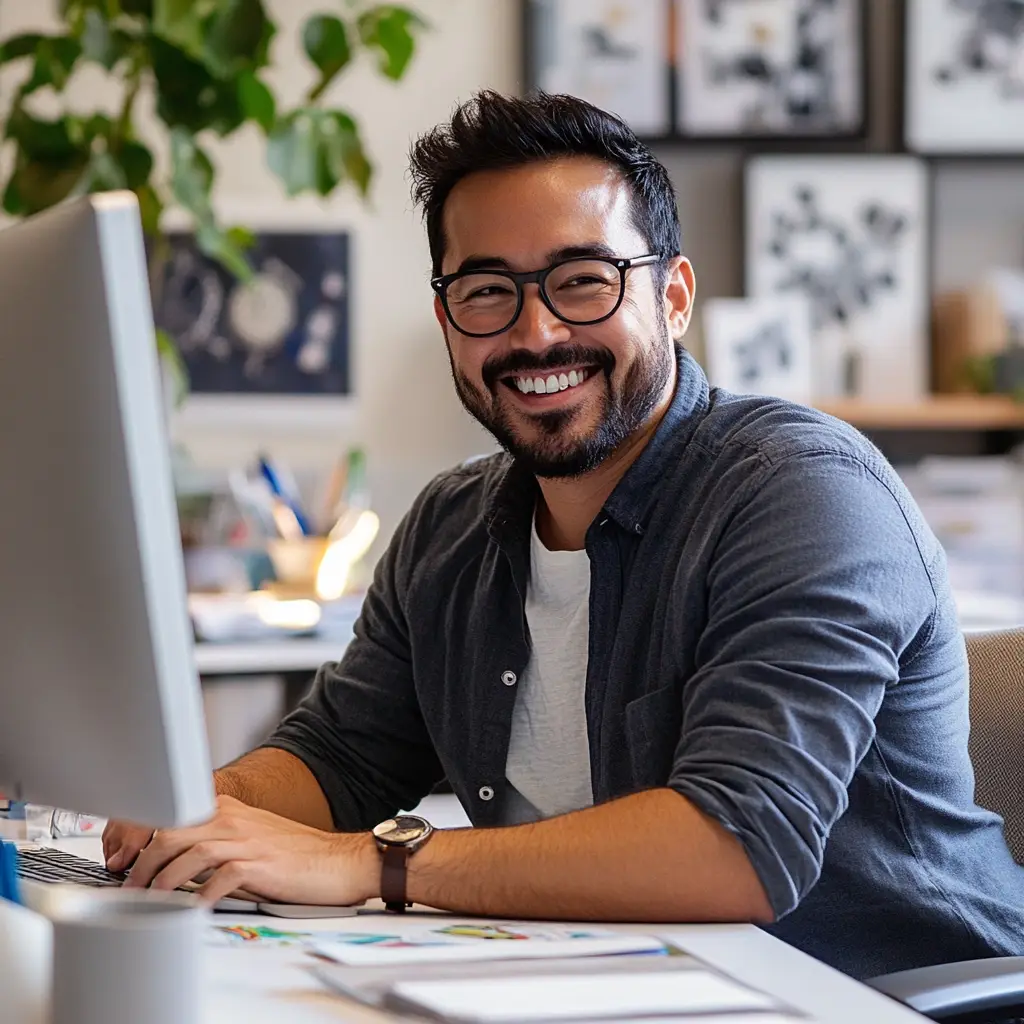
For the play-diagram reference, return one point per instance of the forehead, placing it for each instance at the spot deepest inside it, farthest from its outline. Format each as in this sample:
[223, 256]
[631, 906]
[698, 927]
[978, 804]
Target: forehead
[522, 214]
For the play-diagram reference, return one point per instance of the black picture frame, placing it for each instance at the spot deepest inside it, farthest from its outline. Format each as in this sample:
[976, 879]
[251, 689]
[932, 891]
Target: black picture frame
[836, 211]
[850, 140]
[287, 332]
[917, 134]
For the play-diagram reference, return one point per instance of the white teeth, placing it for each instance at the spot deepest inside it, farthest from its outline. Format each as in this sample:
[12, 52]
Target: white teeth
[573, 379]
[525, 384]
[552, 384]
[563, 381]
[549, 385]
[539, 385]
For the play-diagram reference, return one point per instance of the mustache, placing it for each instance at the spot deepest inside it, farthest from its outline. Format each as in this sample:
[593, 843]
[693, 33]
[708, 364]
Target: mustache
[554, 359]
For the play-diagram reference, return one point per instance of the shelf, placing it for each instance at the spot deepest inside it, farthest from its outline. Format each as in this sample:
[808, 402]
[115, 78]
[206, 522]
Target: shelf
[939, 412]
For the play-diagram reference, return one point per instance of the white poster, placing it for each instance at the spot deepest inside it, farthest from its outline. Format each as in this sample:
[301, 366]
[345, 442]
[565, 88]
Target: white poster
[965, 76]
[850, 234]
[612, 53]
[760, 346]
[770, 67]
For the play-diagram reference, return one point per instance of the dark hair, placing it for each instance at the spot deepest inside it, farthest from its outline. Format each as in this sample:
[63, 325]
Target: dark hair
[492, 132]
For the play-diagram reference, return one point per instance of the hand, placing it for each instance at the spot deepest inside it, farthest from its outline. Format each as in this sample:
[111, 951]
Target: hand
[272, 857]
[122, 843]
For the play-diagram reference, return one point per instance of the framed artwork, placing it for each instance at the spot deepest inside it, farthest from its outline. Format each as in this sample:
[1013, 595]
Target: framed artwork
[284, 333]
[964, 76]
[760, 346]
[612, 53]
[850, 234]
[771, 68]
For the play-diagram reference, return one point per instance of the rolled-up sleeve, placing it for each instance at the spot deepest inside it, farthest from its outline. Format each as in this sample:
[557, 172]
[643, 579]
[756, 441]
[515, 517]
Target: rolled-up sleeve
[360, 731]
[818, 591]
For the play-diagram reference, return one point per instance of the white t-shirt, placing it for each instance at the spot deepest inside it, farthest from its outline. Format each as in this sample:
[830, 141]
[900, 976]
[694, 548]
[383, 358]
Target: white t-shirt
[548, 756]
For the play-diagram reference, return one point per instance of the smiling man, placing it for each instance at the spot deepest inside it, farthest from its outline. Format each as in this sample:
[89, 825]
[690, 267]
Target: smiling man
[695, 653]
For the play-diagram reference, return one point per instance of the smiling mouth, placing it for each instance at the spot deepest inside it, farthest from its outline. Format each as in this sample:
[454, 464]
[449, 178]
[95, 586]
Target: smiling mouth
[550, 383]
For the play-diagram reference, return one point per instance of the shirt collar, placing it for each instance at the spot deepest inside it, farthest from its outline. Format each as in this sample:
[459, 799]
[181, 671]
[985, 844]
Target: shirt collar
[509, 513]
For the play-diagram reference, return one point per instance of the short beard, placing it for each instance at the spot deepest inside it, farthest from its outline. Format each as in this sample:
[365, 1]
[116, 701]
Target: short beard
[626, 410]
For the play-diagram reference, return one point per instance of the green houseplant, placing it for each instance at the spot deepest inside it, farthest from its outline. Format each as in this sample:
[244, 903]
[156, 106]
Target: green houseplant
[202, 61]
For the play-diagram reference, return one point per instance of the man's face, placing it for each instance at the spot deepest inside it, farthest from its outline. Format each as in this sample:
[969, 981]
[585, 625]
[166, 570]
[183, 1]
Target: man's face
[525, 219]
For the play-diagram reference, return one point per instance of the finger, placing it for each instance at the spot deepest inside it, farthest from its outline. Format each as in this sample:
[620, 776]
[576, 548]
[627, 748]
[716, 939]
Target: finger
[225, 881]
[166, 847]
[130, 846]
[197, 860]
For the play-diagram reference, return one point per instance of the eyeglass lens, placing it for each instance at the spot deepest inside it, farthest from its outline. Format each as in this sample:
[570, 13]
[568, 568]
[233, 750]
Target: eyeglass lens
[581, 291]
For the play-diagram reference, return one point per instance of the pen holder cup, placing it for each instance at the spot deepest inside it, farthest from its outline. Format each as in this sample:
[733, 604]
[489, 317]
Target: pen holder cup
[122, 957]
[296, 561]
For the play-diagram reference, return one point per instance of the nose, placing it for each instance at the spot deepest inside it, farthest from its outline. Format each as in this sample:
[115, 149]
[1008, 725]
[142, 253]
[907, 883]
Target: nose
[537, 328]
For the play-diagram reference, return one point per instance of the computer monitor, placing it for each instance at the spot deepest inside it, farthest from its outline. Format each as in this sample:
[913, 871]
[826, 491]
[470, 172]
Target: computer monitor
[100, 707]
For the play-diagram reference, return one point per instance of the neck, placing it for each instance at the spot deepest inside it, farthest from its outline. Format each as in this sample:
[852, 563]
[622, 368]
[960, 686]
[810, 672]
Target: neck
[568, 507]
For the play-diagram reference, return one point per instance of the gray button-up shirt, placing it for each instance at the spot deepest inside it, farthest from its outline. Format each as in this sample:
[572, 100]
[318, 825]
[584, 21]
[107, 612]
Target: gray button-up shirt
[772, 635]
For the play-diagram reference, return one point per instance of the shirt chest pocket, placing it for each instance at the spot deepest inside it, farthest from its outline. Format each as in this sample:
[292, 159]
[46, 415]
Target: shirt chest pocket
[653, 723]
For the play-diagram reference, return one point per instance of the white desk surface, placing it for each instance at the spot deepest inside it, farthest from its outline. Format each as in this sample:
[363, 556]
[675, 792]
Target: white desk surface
[266, 656]
[268, 985]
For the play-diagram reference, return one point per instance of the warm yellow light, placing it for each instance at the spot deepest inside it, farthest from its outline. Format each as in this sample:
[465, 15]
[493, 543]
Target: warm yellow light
[349, 541]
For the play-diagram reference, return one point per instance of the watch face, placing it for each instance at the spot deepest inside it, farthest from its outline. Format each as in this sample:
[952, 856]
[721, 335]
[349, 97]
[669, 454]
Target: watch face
[404, 829]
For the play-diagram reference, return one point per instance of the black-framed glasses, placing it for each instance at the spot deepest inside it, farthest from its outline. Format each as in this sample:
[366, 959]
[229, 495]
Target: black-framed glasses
[580, 291]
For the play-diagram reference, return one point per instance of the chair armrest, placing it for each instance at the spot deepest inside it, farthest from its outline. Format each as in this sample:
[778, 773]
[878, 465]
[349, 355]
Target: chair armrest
[965, 987]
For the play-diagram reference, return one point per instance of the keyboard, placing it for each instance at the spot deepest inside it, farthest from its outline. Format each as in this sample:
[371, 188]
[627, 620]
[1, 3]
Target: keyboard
[47, 865]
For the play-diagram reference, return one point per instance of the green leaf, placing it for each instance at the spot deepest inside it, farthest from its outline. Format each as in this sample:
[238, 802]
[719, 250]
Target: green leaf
[136, 161]
[150, 208]
[100, 43]
[38, 185]
[55, 60]
[242, 237]
[191, 175]
[12, 201]
[234, 36]
[220, 246]
[326, 41]
[180, 22]
[346, 153]
[257, 101]
[293, 151]
[172, 363]
[20, 46]
[390, 30]
[188, 96]
[313, 150]
[140, 8]
[102, 173]
[48, 141]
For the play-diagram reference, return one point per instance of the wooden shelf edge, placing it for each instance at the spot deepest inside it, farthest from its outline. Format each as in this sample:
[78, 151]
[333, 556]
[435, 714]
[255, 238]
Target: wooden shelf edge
[938, 412]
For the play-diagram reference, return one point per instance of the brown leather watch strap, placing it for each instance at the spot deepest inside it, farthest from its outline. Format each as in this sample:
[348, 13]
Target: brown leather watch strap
[393, 878]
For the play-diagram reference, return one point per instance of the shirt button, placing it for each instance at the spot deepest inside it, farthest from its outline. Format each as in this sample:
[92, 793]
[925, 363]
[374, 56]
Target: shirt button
[638, 529]
[508, 677]
[486, 793]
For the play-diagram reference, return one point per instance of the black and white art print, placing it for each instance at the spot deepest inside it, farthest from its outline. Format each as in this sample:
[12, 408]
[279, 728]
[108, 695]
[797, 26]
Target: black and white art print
[760, 346]
[850, 234]
[964, 70]
[612, 53]
[770, 68]
[286, 332]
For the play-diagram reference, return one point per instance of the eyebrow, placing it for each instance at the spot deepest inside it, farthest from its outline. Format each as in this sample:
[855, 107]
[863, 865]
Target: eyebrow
[596, 250]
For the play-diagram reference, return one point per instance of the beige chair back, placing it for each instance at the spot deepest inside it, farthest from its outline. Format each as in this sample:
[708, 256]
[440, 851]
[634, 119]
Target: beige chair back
[996, 662]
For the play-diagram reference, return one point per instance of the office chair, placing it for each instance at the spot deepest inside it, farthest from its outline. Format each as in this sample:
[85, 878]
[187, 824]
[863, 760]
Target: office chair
[991, 989]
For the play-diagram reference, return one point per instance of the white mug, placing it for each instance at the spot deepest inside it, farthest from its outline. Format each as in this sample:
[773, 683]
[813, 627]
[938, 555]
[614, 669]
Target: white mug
[124, 957]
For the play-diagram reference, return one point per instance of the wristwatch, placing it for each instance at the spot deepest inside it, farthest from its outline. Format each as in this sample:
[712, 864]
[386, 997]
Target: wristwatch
[398, 839]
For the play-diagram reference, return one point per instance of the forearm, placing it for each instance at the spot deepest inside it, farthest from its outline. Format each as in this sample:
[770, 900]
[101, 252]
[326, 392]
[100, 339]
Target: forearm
[276, 781]
[649, 857]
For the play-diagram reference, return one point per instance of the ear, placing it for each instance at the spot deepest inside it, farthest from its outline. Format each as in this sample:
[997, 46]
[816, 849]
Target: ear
[442, 319]
[680, 290]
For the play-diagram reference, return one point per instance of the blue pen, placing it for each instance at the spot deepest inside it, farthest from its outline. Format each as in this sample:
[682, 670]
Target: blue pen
[9, 888]
[281, 492]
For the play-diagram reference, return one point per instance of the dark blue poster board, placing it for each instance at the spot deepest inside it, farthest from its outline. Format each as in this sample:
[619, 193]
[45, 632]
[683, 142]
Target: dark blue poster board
[284, 333]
